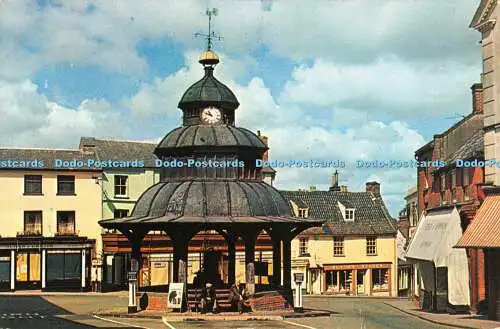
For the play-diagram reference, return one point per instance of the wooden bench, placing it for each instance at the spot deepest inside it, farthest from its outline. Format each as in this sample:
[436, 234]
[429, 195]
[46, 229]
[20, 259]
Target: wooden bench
[194, 299]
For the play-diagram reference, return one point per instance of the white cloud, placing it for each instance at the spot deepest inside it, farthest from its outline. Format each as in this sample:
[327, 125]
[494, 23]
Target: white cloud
[29, 119]
[342, 31]
[387, 86]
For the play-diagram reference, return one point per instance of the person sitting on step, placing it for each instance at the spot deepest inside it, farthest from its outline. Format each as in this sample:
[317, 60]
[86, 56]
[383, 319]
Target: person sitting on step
[208, 299]
[237, 296]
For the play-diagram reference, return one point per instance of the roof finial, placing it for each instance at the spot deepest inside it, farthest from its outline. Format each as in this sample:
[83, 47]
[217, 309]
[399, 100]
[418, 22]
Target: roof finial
[209, 57]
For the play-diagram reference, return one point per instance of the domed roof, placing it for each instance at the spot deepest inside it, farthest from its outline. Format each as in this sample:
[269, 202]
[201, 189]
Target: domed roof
[209, 202]
[208, 135]
[208, 91]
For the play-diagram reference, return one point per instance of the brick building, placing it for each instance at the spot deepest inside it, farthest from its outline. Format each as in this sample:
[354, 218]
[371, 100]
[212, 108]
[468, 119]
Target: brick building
[482, 235]
[450, 185]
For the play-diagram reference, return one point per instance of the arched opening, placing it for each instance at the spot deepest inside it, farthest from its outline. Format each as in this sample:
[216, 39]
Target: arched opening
[208, 260]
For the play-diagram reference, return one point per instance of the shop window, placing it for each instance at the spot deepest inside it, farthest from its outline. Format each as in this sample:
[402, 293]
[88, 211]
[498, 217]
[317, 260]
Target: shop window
[371, 245]
[65, 185]
[121, 186]
[338, 246]
[32, 223]
[380, 278]
[332, 283]
[32, 184]
[303, 246]
[66, 222]
[345, 280]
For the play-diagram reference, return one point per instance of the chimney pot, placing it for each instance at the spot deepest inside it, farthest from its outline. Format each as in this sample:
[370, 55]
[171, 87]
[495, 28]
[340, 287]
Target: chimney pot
[343, 188]
[477, 98]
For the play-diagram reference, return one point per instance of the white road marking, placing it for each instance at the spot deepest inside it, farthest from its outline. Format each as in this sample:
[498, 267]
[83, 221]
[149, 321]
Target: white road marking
[298, 324]
[119, 322]
[167, 324]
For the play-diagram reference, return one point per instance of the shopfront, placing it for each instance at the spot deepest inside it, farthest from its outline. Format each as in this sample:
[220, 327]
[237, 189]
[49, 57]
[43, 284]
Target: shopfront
[366, 279]
[46, 263]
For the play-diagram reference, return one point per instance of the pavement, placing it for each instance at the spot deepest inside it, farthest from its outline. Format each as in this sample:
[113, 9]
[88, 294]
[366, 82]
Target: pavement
[82, 311]
[456, 320]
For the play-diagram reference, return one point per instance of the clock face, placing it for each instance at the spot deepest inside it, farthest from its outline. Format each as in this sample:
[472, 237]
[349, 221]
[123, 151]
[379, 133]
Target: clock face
[211, 115]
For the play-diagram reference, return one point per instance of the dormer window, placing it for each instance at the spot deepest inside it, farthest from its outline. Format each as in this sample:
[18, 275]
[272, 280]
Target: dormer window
[346, 210]
[349, 214]
[303, 212]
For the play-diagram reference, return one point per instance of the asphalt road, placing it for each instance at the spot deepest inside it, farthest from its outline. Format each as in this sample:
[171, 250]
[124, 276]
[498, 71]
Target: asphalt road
[35, 312]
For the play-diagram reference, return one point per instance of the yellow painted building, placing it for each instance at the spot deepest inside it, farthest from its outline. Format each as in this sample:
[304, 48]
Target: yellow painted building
[49, 220]
[355, 252]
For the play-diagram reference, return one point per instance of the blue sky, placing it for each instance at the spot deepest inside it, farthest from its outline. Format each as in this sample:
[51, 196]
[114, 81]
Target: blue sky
[323, 79]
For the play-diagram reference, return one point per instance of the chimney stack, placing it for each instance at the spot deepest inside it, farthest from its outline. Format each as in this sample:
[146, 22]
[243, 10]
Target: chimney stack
[373, 187]
[477, 98]
[335, 182]
[343, 188]
[265, 156]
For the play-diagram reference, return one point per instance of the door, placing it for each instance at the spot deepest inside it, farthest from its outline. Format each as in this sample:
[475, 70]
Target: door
[28, 269]
[360, 282]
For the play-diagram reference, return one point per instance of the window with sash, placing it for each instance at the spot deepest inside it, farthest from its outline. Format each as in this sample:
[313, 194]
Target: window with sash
[32, 184]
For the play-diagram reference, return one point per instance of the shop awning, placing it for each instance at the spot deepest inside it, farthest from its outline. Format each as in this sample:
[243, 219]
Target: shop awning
[437, 233]
[484, 230]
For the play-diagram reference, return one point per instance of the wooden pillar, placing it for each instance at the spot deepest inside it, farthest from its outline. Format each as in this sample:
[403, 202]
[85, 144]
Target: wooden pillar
[231, 247]
[276, 261]
[287, 263]
[250, 239]
[180, 245]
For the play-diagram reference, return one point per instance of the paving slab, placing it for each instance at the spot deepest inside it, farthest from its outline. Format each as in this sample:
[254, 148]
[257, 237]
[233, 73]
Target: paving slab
[451, 320]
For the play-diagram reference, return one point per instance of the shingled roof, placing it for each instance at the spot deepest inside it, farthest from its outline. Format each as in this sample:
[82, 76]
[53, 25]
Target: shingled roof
[46, 158]
[119, 150]
[371, 215]
[472, 148]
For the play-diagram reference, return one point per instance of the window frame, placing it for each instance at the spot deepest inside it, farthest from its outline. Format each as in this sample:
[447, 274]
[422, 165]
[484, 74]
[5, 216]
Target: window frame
[27, 182]
[120, 210]
[33, 232]
[338, 246]
[60, 183]
[303, 246]
[117, 185]
[349, 214]
[59, 214]
[371, 244]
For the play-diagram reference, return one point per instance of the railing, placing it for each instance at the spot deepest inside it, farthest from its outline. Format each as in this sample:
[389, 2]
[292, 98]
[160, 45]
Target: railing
[30, 232]
[66, 230]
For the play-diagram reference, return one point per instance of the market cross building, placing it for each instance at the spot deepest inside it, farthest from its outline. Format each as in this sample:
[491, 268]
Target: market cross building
[234, 201]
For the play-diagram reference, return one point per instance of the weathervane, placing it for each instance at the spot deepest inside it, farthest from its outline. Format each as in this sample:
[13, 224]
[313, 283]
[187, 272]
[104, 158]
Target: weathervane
[211, 35]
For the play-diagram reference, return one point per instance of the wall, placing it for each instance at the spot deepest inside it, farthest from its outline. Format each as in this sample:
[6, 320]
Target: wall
[86, 203]
[321, 251]
[490, 52]
[138, 181]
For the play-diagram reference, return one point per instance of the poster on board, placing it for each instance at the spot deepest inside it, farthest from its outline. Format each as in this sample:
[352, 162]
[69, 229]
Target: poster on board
[175, 295]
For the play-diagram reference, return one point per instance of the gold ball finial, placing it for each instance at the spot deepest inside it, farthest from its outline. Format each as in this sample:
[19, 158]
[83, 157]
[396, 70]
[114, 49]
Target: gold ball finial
[209, 57]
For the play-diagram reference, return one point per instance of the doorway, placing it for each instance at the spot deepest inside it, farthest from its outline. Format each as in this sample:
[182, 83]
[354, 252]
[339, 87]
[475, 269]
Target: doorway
[28, 270]
[360, 282]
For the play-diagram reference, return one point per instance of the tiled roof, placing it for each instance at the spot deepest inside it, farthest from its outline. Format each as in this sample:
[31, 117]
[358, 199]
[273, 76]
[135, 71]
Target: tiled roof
[117, 150]
[484, 230]
[371, 215]
[473, 147]
[47, 157]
